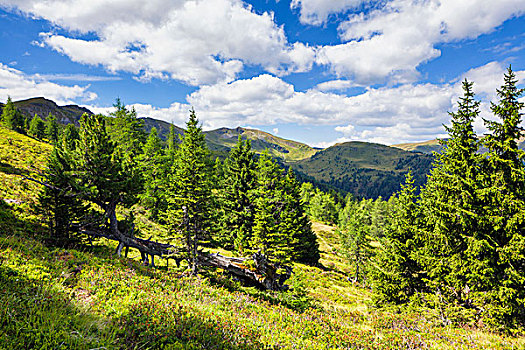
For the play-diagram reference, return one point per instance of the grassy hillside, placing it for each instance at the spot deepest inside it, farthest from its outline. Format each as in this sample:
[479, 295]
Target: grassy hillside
[42, 106]
[287, 150]
[86, 298]
[364, 169]
[423, 147]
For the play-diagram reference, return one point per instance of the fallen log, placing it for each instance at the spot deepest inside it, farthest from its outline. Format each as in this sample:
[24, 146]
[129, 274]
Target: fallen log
[263, 273]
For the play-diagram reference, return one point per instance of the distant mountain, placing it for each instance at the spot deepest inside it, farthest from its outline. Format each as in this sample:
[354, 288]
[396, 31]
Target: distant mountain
[287, 150]
[65, 114]
[434, 146]
[423, 147]
[364, 169]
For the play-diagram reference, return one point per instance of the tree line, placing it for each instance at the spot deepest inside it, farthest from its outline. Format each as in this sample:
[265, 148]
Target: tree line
[459, 245]
[246, 203]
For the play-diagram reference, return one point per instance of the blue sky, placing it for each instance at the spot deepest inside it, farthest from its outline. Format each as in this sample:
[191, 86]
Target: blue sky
[315, 71]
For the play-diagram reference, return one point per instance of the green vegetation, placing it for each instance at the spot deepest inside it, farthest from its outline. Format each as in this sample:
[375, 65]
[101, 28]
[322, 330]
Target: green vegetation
[438, 268]
[364, 169]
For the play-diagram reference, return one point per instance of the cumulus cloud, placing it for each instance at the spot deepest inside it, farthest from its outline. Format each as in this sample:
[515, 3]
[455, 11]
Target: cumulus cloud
[194, 41]
[316, 12]
[390, 42]
[18, 85]
[406, 113]
[335, 85]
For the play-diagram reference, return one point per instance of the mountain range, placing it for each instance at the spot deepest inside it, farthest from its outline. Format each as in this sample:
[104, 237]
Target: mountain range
[364, 169]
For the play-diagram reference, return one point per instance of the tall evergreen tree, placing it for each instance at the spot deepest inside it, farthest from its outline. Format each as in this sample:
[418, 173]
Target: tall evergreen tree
[126, 130]
[152, 160]
[270, 204]
[295, 223]
[189, 195]
[60, 201]
[504, 198]
[11, 117]
[52, 128]
[396, 274]
[70, 137]
[354, 231]
[453, 249]
[103, 176]
[37, 128]
[237, 195]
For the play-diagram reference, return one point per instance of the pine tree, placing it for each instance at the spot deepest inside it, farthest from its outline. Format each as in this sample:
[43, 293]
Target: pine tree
[37, 128]
[52, 128]
[189, 194]
[70, 137]
[270, 203]
[11, 117]
[59, 201]
[297, 225]
[504, 196]
[103, 177]
[396, 274]
[237, 195]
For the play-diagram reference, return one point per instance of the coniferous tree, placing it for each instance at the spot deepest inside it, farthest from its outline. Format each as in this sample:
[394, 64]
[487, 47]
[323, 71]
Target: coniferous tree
[297, 225]
[126, 130]
[60, 201]
[104, 178]
[70, 137]
[237, 195]
[270, 203]
[396, 274]
[11, 117]
[189, 194]
[454, 251]
[504, 195]
[354, 231]
[37, 128]
[152, 159]
[52, 128]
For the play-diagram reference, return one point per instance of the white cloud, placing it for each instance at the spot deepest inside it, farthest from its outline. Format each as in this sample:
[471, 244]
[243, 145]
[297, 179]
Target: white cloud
[316, 12]
[389, 43]
[388, 115]
[335, 85]
[194, 41]
[17, 85]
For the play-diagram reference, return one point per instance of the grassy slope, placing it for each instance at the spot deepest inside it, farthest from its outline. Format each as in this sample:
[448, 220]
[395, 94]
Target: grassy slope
[423, 147]
[86, 298]
[364, 169]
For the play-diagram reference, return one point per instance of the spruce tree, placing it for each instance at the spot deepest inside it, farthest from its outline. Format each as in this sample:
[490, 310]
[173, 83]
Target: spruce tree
[454, 251]
[70, 137]
[270, 203]
[189, 193]
[237, 195]
[52, 128]
[295, 223]
[37, 128]
[504, 198]
[11, 117]
[396, 274]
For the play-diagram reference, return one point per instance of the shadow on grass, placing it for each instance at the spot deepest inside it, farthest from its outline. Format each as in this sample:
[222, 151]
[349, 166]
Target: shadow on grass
[33, 316]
